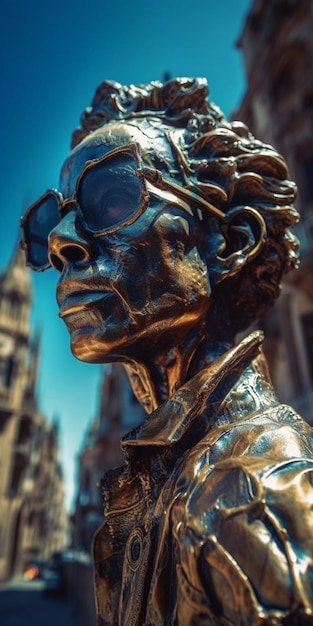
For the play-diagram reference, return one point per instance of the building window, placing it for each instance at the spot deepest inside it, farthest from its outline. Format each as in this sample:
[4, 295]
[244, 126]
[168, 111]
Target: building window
[6, 370]
[307, 328]
[25, 427]
[308, 179]
[84, 496]
[14, 308]
[20, 462]
[31, 518]
[4, 417]
[11, 306]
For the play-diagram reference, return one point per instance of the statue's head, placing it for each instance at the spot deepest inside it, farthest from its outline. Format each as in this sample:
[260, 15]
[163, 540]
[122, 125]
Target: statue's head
[169, 221]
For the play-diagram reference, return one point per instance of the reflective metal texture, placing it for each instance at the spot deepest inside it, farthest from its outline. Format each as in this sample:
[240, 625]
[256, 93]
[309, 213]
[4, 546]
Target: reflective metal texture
[210, 519]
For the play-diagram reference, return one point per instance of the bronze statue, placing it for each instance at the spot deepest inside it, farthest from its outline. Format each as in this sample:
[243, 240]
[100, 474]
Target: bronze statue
[172, 234]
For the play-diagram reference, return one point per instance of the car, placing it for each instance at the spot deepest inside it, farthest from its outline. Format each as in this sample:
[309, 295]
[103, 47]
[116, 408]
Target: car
[53, 575]
[32, 572]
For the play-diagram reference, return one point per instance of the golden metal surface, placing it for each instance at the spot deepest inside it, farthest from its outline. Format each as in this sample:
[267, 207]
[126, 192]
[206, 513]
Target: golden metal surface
[210, 520]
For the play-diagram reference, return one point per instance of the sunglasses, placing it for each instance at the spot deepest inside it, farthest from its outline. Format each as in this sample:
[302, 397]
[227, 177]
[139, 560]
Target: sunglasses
[110, 193]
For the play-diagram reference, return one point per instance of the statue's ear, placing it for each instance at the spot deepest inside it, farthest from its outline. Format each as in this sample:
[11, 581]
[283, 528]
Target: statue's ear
[244, 232]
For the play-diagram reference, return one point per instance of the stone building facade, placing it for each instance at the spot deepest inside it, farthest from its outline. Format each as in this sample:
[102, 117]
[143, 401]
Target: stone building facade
[119, 413]
[33, 520]
[277, 47]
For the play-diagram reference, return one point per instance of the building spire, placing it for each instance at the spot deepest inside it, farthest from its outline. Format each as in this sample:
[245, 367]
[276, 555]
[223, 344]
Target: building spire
[15, 278]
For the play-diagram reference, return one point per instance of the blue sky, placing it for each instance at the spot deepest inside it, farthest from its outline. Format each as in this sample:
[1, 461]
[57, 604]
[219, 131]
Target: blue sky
[53, 56]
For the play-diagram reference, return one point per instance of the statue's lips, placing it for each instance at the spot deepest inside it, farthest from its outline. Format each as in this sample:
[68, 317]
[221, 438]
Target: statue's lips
[79, 301]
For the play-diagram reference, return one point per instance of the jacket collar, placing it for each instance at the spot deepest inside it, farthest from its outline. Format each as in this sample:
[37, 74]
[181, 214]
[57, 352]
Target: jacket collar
[169, 423]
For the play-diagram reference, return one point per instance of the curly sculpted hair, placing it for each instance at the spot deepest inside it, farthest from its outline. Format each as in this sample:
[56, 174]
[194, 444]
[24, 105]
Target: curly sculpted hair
[220, 161]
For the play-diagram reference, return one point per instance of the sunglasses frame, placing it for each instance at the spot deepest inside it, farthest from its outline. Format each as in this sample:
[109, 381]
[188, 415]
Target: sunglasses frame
[143, 173]
[71, 203]
[24, 221]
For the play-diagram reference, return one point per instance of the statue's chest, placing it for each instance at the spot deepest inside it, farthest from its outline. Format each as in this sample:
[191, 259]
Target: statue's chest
[125, 550]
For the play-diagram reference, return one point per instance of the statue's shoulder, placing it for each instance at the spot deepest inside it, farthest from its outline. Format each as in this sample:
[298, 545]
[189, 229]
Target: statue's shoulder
[277, 433]
[234, 464]
[247, 512]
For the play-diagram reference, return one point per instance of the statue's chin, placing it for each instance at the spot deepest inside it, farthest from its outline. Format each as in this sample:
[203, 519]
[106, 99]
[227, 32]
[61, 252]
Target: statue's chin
[85, 348]
[89, 345]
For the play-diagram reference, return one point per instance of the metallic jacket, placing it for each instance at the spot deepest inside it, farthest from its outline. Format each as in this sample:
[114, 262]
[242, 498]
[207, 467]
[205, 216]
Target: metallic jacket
[210, 521]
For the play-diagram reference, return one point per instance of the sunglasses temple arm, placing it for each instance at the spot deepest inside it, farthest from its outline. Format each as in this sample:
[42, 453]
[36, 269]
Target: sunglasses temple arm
[155, 177]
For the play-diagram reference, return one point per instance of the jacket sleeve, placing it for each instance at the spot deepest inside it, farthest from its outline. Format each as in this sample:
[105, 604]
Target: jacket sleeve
[246, 541]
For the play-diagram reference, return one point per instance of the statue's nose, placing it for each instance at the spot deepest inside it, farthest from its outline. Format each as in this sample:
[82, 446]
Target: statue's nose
[69, 243]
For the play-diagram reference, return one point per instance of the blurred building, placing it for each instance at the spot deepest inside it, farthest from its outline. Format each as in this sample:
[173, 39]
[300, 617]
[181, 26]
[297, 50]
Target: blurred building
[277, 47]
[33, 520]
[119, 413]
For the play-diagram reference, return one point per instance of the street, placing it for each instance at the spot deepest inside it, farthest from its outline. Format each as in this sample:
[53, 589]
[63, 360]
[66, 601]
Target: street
[24, 602]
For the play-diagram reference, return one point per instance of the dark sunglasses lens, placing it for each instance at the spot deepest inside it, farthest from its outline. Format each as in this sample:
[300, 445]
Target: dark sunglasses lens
[42, 218]
[110, 193]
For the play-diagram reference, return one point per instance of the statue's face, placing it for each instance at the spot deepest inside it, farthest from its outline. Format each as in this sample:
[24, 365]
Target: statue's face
[137, 289]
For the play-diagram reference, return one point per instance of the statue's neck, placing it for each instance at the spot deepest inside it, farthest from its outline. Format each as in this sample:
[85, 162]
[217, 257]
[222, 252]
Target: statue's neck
[155, 379]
